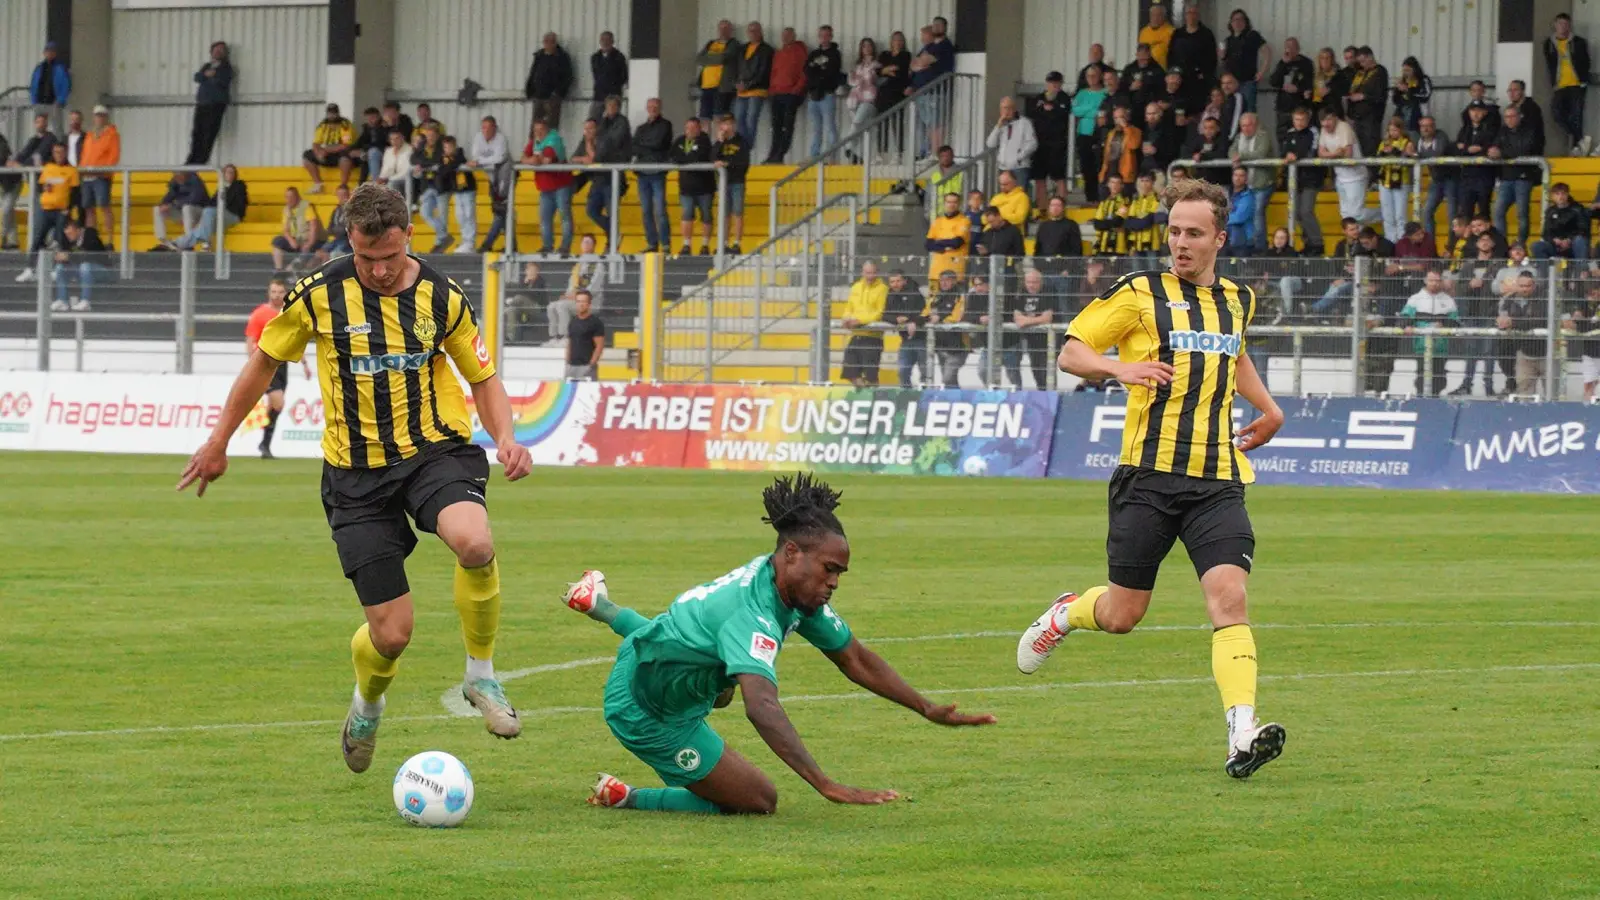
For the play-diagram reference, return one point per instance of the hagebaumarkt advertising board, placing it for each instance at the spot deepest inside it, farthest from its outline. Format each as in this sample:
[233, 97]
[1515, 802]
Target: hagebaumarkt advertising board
[1552, 447]
[763, 428]
[21, 398]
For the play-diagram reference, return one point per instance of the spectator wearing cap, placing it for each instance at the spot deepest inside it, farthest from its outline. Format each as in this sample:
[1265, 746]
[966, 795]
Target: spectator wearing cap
[1516, 140]
[1052, 126]
[1014, 142]
[549, 80]
[102, 149]
[1157, 34]
[609, 68]
[787, 90]
[51, 83]
[1478, 93]
[1366, 100]
[329, 145]
[1477, 182]
[1144, 78]
[1194, 54]
[751, 82]
[1566, 227]
[212, 93]
[1292, 78]
[1566, 58]
[1245, 55]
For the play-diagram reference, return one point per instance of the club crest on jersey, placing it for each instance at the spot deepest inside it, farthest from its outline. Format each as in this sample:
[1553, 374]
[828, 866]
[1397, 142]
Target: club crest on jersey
[1204, 342]
[425, 329]
[388, 362]
[1235, 308]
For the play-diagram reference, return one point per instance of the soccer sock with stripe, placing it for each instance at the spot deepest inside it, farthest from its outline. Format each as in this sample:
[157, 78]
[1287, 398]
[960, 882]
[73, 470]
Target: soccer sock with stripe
[670, 799]
[622, 620]
[374, 671]
[272, 425]
[477, 596]
[1233, 664]
[1080, 612]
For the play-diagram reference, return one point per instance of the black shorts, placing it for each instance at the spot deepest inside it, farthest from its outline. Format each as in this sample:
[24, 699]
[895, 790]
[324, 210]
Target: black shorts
[367, 509]
[1149, 510]
[1049, 161]
[280, 378]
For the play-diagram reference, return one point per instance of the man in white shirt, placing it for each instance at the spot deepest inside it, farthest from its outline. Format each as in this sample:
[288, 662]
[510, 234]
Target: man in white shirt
[1337, 140]
[396, 170]
[1014, 140]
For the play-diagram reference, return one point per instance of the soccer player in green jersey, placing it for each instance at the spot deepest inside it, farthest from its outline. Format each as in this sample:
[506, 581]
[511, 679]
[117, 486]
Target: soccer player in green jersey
[672, 670]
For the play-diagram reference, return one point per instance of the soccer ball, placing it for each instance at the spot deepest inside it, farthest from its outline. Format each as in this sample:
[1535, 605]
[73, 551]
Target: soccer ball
[975, 466]
[434, 790]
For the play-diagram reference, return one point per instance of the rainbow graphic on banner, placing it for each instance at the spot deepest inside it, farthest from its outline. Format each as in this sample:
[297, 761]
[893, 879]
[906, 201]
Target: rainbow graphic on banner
[536, 416]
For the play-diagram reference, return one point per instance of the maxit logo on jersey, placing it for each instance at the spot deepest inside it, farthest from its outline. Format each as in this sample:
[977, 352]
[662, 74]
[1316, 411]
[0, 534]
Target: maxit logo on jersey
[1204, 342]
[390, 362]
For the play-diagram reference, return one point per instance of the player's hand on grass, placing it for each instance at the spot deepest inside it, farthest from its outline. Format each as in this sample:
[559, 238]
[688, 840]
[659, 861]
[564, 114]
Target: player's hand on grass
[842, 793]
[517, 460]
[207, 464]
[1261, 430]
[947, 715]
[1151, 374]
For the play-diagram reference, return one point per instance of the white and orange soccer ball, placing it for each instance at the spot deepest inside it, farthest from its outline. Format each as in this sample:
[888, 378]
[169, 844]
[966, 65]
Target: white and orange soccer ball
[433, 789]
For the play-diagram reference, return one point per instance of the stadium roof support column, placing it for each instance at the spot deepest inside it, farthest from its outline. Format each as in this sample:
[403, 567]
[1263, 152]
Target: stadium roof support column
[82, 32]
[644, 53]
[373, 55]
[675, 58]
[1519, 54]
[978, 25]
[342, 30]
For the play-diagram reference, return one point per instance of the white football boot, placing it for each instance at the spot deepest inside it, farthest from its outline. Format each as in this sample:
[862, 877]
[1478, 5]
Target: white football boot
[1044, 635]
[582, 594]
[610, 792]
[1251, 748]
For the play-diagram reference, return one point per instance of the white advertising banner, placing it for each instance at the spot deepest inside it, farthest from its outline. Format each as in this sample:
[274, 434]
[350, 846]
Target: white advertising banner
[21, 399]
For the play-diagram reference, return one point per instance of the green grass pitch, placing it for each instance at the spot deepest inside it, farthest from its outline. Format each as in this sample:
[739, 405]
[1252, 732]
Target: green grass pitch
[1433, 656]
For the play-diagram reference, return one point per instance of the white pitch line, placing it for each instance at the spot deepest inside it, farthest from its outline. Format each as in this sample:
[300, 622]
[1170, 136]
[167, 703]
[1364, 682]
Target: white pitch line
[819, 698]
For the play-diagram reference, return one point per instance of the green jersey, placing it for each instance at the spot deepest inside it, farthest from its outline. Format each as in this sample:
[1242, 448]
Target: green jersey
[732, 626]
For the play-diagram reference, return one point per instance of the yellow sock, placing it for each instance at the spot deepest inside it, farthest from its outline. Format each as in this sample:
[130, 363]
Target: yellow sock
[374, 671]
[478, 603]
[1080, 612]
[1233, 664]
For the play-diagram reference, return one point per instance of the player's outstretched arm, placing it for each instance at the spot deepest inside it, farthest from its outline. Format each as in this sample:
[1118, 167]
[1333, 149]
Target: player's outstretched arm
[1080, 359]
[1252, 388]
[210, 462]
[494, 411]
[762, 708]
[869, 670]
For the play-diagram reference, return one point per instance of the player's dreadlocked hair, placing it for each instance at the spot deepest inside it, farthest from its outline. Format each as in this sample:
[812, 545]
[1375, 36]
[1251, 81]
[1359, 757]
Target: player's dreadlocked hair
[801, 509]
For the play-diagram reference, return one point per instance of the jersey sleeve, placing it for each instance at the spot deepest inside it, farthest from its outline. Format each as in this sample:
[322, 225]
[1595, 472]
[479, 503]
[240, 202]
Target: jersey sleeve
[1109, 317]
[285, 337]
[825, 630]
[463, 341]
[747, 646]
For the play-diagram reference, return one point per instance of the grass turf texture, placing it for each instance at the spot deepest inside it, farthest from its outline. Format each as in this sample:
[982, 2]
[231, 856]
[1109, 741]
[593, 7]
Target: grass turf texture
[127, 607]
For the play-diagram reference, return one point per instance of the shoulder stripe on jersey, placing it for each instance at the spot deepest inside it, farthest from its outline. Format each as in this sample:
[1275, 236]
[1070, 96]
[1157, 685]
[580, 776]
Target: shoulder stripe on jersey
[1158, 401]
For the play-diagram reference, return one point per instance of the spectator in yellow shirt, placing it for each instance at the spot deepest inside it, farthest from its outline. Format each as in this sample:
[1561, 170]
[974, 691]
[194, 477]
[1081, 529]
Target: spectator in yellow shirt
[948, 239]
[1158, 34]
[333, 137]
[862, 355]
[56, 181]
[1012, 201]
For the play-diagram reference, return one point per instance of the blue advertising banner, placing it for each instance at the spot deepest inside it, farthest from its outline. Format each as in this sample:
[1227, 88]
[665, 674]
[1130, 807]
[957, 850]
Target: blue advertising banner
[1549, 447]
[1357, 442]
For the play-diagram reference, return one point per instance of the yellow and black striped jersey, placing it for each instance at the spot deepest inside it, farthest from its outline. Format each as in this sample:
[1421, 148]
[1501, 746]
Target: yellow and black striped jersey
[387, 391]
[1110, 239]
[1152, 236]
[1184, 427]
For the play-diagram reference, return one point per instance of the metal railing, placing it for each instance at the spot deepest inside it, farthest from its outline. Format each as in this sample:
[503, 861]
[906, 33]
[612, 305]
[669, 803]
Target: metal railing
[615, 172]
[978, 173]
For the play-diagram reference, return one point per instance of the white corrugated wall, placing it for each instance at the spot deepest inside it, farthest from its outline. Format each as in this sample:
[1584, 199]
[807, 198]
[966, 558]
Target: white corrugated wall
[436, 45]
[1059, 33]
[22, 30]
[1449, 37]
[257, 134]
[852, 20]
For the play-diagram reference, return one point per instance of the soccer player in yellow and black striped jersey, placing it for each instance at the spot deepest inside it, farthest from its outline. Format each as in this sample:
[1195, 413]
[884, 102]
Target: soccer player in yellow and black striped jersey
[1180, 340]
[398, 442]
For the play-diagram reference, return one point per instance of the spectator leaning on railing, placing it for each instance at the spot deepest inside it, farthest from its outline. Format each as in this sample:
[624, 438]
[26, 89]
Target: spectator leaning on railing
[1477, 182]
[1254, 144]
[609, 67]
[903, 310]
[1394, 180]
[56, 182]
[1301, 143]
[102, 149]
[863, 354]
[1442, 179]
[1032, 310]
[948, 306]
[549, 80]
[1428, 309]
[212, 94]
[695, 189]
[545, 148]
[652, 143]
[1521, 313]
[1517, 140]
[1566, 58]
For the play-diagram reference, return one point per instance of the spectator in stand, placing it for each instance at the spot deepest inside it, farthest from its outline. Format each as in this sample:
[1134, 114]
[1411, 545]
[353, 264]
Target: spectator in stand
[212, 94]
[1293, 78]
[235, 203]
[1157, 35]
[977, 216]
[1250, 145]
[36, 152]
[1477, 182]
[533, 293]
[1208, 146]
[1000, 237]
[1096, 64]
[1012, 201]
[74, 138]
[301, 228]
[1428, 309]
[1566, 227]
[1109, 216]
[718, 65]
[1325, 81]
[1532, 114]
[1366, 100]
[10, 188]
[1358, 241]
[1085, 105]
[587, 276]
[695, 189]
[1566, 59]
[367, 151]
[1478, 93]
[1161, 141]
[455, 180]
[949, 238]
[545, 148]
[1516, 140]
[609, 67]
[1193, 54]
[1144, 78]
[1412, 256]
[787, 88]
[1242, 234]
[1014, 142]
[395, 120]
[330, 145]
[863, 80]
[491, 153]
[652, 143]
[80, 254]
[1481, 226]
[549, 80]
[731, 153]
[1033, 311]
[824, 74]
[948, 306]
[1337, 140]
[1116, 93]
[1052, 127]
[426, 161]
[1245, 55]
[1280, 270]
[862, 355]
[186, 200]
[424, 117]
[936, 58]
[1301, 143]
[1059, 240]
[752, 81]
[904, 310]
[396, 170]
[894, 83]
[1145, 225]
[1120, 153]
[944, 177]
[1443, 179]
[1394, 180]
[586, 339]
[1339, 88]
[1585, 321]
[614, 146]
[1412, 91]
[102, 149]
[1172, 102]
[51, 83]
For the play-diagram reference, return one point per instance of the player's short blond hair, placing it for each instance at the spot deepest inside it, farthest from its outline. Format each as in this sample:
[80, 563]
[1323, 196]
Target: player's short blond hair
[1181, 190]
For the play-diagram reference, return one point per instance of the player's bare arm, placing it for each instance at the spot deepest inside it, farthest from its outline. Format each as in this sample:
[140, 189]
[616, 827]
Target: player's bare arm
[869, 670]
[210, 462]
[1078, 358]
[494, 410]
[762, 708]
[1263, 427]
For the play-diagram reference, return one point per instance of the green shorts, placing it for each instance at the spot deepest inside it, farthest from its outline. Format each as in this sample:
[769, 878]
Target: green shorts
[680, 752]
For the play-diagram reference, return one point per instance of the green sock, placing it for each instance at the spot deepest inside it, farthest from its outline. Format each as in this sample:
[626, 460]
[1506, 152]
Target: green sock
[670, 799]
[625, 621]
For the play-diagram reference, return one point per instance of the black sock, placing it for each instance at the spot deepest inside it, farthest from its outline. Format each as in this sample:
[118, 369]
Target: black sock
[272, 425]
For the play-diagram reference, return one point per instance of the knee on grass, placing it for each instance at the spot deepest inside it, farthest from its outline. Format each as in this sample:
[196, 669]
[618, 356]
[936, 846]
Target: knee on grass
[763, 802]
